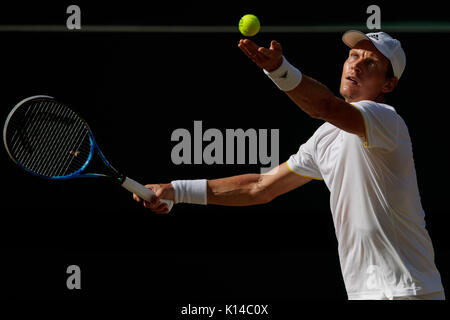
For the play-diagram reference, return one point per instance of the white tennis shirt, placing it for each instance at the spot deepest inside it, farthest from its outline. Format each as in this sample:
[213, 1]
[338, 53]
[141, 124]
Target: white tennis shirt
[384, 249]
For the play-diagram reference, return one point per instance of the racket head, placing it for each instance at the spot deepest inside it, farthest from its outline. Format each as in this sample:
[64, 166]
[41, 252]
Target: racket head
[48, 139]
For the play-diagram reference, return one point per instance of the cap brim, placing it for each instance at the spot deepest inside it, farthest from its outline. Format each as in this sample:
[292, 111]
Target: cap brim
[352, 37]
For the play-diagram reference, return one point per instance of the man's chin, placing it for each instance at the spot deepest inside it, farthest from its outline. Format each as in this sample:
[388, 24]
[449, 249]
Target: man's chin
[349, 96]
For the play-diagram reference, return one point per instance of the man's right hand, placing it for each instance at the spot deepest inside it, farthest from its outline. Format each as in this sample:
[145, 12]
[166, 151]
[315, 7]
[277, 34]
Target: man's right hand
[162, 191]
[268, 59]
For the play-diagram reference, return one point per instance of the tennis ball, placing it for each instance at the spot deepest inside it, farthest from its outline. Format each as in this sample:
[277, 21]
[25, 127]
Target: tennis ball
[249, 25]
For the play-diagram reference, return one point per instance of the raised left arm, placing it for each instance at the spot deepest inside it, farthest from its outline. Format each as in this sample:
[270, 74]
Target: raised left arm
[319, 102]
[310, 95]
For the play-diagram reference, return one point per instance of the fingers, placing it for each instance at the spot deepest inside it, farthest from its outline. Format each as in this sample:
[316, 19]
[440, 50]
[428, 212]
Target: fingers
[275, 46]
[157, 206]
[263, 57]
[264, 51]
[251, 50]
[243, 45]
[250, 44]
[154, 204]
[136, 197]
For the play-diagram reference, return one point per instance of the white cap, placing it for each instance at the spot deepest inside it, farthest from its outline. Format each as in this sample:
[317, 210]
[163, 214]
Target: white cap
[388, 46]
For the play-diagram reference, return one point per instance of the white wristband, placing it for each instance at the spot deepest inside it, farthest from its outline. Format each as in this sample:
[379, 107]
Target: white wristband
[190, 191]
[286, 77]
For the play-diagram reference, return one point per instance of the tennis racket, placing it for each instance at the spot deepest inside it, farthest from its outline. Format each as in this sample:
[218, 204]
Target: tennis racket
[49, 140]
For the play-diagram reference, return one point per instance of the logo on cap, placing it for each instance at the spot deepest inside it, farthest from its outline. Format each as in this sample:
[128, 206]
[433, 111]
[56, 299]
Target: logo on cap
[375, 36]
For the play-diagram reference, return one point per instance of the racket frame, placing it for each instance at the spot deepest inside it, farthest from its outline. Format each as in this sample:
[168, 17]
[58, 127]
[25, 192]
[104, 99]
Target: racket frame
[77, 174]
[116, 176]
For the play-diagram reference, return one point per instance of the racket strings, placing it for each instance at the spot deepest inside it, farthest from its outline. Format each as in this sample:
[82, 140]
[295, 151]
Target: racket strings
[41, 139]
[49, 138]
[54, 164]
[23, 135]
[36, 135]
[73, 162]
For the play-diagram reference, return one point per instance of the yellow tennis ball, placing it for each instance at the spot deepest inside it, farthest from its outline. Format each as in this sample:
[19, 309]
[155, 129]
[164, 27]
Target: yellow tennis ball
[249, 25]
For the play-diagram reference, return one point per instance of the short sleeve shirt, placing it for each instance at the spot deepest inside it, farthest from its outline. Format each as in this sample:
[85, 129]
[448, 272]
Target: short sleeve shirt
[384, 247]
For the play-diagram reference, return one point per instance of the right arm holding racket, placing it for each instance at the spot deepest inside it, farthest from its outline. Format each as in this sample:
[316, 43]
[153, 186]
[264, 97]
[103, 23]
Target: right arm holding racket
[241, 190]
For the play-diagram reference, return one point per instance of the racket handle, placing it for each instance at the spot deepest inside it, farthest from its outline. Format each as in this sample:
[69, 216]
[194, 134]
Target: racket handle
[142, 192]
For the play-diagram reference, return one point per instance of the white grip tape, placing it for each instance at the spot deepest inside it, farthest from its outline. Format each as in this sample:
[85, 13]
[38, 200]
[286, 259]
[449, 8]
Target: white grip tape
[142, 192]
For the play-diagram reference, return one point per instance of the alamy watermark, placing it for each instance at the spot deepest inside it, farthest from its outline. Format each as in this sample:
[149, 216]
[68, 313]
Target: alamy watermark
[74, 279]
[226, 148]
[74, 20]
[374, 20]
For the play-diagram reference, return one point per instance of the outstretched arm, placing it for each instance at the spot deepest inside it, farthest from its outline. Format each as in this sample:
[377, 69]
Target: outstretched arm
[251, 189]
[241, 190]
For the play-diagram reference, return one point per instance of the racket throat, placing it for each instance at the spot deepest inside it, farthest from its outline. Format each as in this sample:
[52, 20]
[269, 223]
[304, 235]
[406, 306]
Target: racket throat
[121, 178]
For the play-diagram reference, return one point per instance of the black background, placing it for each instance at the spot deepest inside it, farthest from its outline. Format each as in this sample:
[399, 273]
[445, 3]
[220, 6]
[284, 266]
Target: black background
[135, 90]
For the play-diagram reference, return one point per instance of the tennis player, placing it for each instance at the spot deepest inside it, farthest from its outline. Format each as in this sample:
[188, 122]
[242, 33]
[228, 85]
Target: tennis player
[363, 154]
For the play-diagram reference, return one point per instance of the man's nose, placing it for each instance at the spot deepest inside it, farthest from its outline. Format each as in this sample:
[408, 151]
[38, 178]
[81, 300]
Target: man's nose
[356, 66]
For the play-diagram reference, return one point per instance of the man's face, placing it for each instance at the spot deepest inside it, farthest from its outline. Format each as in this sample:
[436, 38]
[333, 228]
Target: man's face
[364, 74]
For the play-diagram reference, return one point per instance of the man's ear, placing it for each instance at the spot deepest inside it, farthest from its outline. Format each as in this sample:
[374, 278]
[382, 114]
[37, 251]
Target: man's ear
[390, 85]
